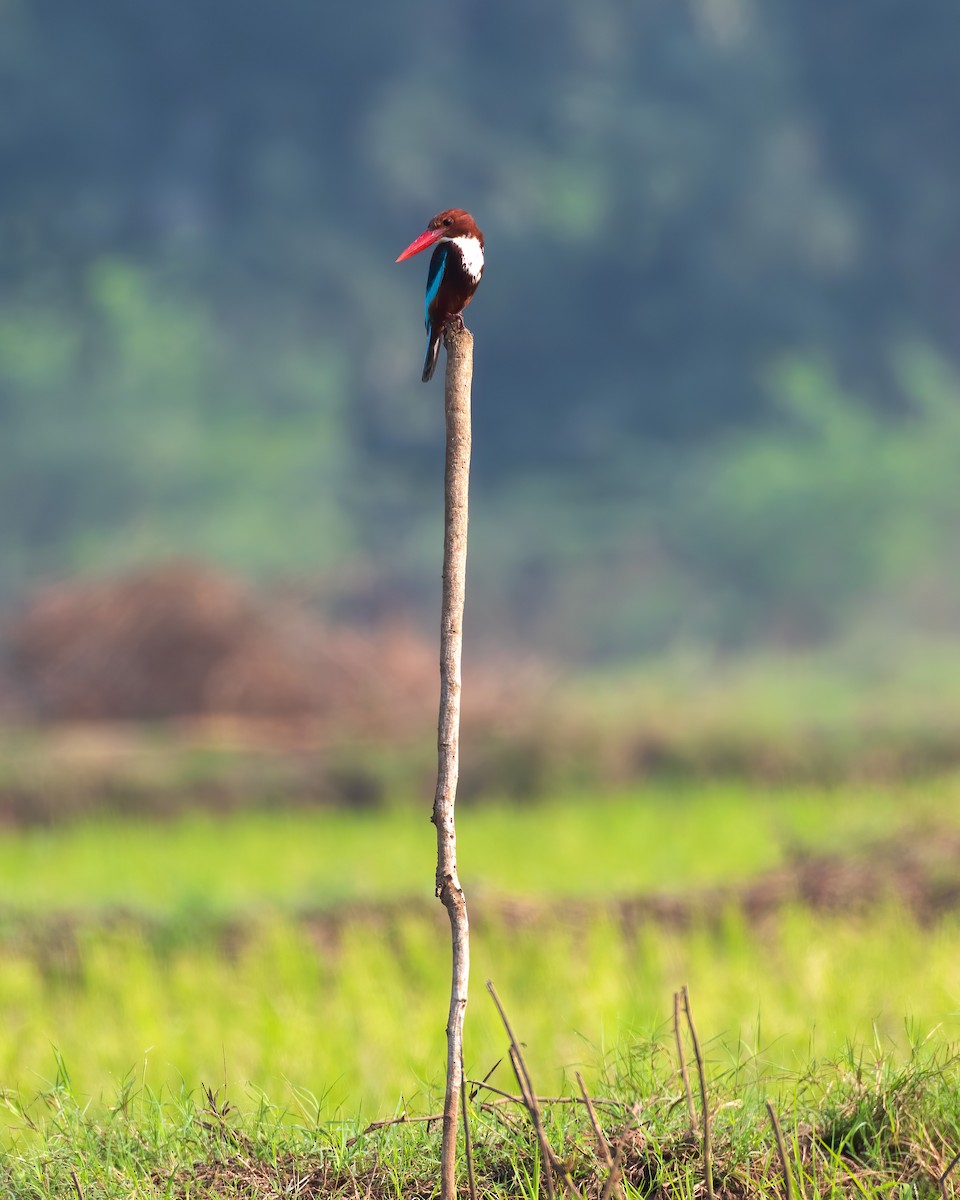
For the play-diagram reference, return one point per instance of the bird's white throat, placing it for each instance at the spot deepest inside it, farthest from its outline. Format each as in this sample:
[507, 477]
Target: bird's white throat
[472, 254]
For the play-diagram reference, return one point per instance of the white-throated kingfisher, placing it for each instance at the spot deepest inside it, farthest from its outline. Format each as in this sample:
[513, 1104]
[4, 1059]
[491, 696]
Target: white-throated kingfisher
[455, 270]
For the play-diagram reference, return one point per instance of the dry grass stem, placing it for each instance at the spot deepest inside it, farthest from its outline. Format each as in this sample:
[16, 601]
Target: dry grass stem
[682, 1059]
[781, 1152]
[611, 1161]
[484, 1082]
[536, 1118]
[403, 1119]
[552, 1163]
[468, 1140]
[613, 1179]
[509, 1098]
[602, 1143]
[942, 1181]
[701, 1071]
[516, 1058]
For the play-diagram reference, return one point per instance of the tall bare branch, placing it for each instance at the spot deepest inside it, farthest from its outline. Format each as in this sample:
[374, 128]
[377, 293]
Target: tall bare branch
[459, 376]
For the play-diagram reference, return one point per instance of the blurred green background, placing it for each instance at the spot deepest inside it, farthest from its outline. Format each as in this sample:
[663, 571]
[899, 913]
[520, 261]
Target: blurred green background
[716, 400]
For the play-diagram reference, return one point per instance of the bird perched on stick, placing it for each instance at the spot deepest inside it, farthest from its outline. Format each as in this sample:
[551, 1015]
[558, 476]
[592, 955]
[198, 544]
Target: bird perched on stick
[455, 270]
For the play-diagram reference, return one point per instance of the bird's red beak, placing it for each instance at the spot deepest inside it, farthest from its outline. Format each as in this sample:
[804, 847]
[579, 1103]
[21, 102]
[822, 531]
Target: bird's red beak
[427, 238]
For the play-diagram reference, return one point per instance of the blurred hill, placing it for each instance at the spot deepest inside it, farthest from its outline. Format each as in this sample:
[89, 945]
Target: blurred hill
[715, 392]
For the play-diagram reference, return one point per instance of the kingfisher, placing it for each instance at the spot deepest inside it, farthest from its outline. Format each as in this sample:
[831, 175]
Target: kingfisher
[455, 270]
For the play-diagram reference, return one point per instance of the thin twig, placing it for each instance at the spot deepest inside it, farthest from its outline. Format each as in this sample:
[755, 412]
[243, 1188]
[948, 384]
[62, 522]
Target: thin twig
[598, 1132]
[477, 1085]
[684, 1075]
[533, 1110]
[551, 1162]
[510, 1098]
[707, 1146]
[76, 1186]
[611, 1161]
[613, 1179]
[781, 1151]
[403, 1119]
[353, 1182]
[523, 1078]
[468, 1138]
[500, 1113]
[942, 1181]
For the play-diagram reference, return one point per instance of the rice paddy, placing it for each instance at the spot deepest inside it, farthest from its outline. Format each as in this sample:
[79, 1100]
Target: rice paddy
[296, 950]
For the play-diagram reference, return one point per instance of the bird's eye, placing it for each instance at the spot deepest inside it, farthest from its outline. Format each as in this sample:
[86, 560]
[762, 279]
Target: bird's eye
[448, 220]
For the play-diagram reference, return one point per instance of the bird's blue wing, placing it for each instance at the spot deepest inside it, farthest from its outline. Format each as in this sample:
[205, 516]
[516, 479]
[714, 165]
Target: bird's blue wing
[438, 262]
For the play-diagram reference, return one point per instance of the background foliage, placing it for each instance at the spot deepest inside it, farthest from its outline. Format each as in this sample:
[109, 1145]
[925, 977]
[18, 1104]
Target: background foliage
[715, 398]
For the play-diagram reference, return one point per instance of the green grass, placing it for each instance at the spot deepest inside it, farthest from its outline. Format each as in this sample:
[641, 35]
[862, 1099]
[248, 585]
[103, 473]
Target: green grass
[140, 960]
[867, 1124]
[655, 837]
[359, 1017]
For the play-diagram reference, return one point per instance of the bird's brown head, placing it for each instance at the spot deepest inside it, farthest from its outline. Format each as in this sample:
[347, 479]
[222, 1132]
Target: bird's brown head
[451, 223]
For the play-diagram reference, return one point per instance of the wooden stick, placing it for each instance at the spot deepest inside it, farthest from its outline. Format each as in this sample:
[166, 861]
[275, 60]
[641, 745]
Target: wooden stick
[781, 1151]
[684, 1075]
[459, 343]
[707, 1145]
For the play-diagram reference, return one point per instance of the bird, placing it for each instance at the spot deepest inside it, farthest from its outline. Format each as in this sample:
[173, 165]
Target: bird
[455, 270]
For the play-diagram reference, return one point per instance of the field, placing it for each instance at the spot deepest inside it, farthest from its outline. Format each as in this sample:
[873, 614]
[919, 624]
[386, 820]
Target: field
[294, 960]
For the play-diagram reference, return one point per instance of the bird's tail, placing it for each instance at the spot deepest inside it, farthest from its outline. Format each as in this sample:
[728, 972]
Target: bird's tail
[433, 353]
